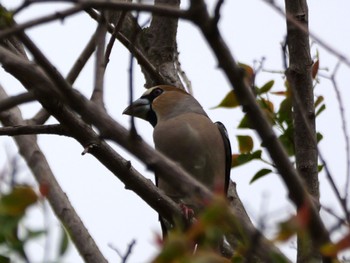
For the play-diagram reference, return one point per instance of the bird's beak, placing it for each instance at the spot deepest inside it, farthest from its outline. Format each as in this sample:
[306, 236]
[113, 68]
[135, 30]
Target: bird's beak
[139, 108]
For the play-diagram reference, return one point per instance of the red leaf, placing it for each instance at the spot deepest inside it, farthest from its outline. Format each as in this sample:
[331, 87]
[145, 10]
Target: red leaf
[314, 69]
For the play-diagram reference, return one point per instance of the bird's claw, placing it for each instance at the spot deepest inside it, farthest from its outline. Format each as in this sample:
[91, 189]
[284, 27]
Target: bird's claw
[186, 211]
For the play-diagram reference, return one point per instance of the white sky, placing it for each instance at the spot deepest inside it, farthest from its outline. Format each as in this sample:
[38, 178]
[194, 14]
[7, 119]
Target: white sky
[253, 30]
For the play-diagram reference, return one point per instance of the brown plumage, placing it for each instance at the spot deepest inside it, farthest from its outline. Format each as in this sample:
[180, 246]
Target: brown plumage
[184, 133]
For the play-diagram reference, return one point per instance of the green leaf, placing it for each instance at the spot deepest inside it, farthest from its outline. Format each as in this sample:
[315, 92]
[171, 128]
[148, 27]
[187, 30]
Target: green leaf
[240, 159]
[266, 104]
[64, 242]
[245, 143]
[248, 70]
[320, 167]
[318, 101]
[245, 123]
[288, 143]
[34, 234]
[4, 259]
[16, 202]
[285, 111]
[319, 137]
[267, 86]
[260, 174]
[230, 101]
[322, 108]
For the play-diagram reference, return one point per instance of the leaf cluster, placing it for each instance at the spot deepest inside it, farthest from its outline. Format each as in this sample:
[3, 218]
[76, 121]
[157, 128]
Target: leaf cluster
[279, 115]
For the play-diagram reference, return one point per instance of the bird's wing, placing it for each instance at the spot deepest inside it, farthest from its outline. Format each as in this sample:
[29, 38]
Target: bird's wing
[228, 153]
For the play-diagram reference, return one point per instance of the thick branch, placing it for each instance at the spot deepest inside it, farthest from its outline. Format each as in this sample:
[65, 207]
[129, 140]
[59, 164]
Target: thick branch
[300, 80]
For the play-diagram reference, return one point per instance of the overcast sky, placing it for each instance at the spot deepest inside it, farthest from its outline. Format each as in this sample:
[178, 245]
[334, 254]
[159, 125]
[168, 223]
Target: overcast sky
[253, 30]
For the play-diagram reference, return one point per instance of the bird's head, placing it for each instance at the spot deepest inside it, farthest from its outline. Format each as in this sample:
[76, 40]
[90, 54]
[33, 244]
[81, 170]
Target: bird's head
[163, 102]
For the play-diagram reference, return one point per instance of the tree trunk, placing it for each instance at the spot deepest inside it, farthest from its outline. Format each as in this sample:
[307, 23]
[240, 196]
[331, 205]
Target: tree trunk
[300, 80]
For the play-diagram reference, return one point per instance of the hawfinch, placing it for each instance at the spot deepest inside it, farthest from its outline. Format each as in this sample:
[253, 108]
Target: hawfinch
[184, 133]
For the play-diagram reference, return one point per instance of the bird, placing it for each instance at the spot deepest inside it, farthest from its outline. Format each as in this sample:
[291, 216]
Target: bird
[184, 133]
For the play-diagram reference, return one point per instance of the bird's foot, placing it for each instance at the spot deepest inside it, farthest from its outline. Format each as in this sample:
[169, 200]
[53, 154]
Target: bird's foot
[186, 211]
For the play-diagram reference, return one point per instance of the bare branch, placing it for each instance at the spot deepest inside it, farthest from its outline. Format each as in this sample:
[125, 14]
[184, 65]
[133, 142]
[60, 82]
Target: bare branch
[4, 33]
[345, 134]
[117, 27]
[16, 100]
[82, 60]
[97, 95]
[217, 15]
[124, 258]
[33, 129]
[301, 27]
[142, 60]
[58, 200]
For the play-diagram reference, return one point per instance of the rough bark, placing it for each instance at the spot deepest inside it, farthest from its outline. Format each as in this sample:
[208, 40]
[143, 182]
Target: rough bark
[300, 80]
[158, 42]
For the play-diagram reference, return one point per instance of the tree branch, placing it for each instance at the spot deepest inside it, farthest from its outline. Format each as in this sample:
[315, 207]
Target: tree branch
[305, 144]
[97, 94]
[33, 129]
[16, 100]
[58, 200]
[234, 73]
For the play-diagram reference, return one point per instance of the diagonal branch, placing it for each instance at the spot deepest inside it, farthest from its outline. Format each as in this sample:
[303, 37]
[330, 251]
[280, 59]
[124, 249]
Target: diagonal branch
[234, 73]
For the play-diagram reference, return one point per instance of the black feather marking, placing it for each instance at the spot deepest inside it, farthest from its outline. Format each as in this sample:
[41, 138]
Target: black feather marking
[228, 152]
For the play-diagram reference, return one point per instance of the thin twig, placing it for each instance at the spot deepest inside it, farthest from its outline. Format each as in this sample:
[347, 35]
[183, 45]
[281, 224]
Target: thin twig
[321, 156]
[345, 133]
[344, 200]
[42, 116]
[138, 54]
[340, 220]
[217, 11]
[124, 257]
[97, 94]
[113, 37]
[300, 26]
[33, 129]
[16, 100]
[159, 9]
[59, 15]
[133, 131]
[82, 59]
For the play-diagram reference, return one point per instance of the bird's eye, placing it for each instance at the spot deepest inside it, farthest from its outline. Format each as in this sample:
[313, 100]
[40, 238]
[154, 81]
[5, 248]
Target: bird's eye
[156, 92]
